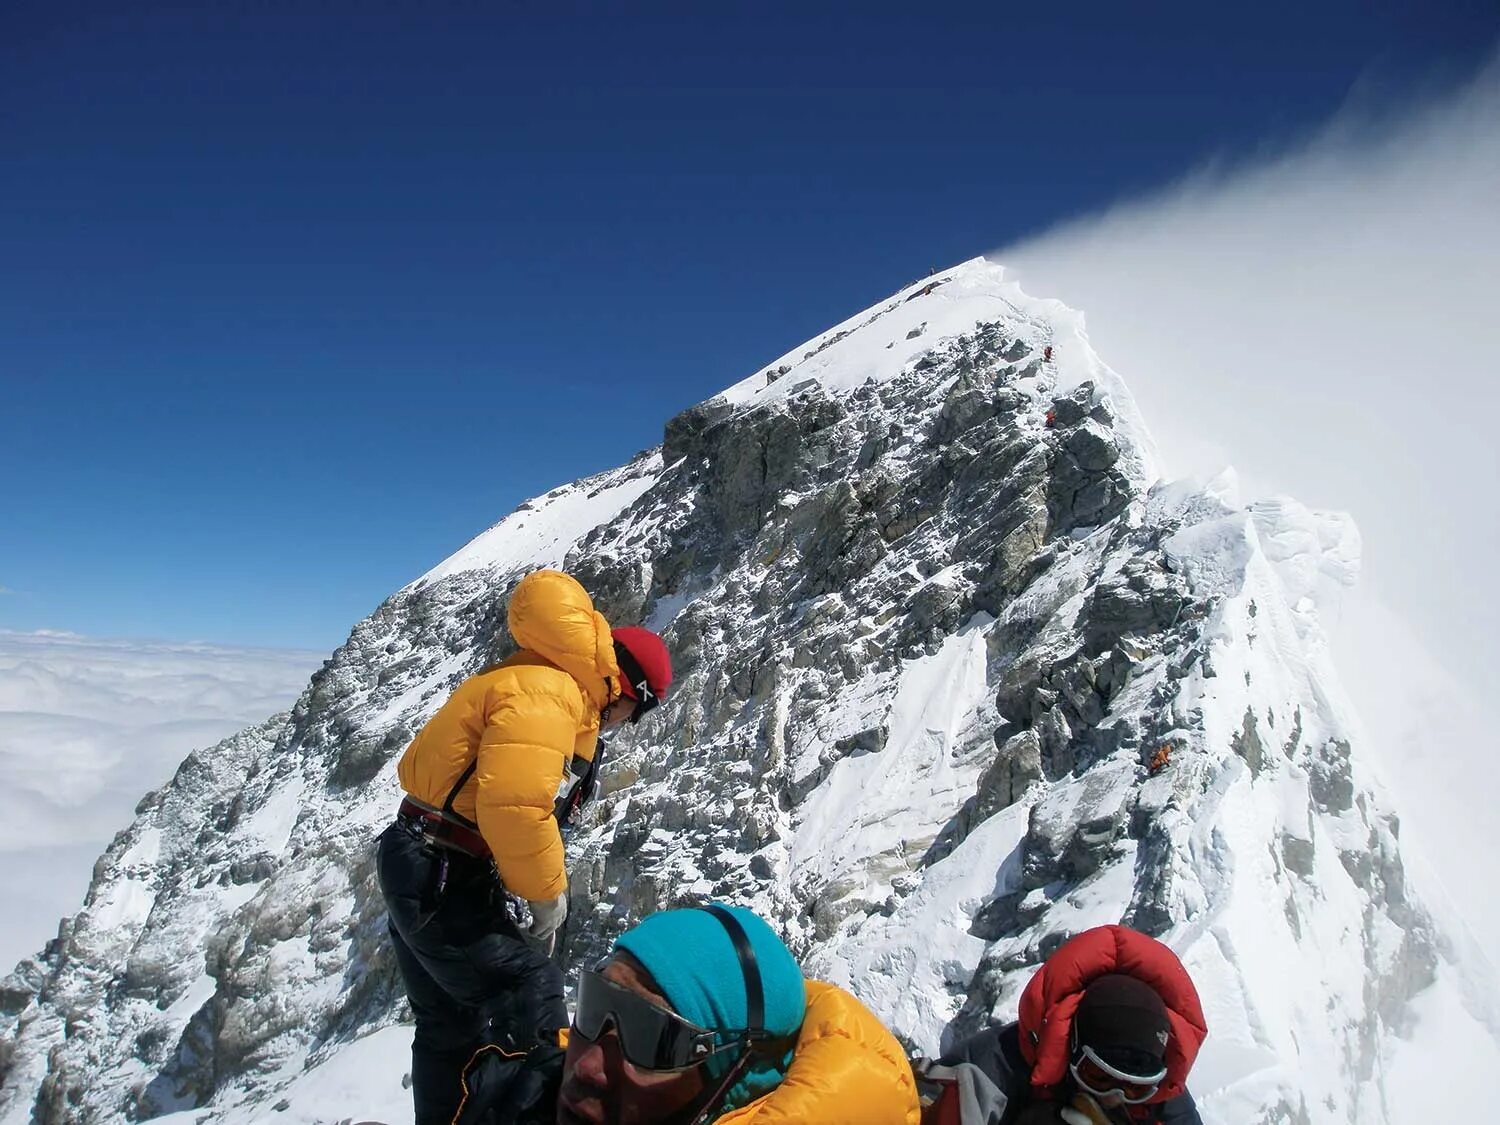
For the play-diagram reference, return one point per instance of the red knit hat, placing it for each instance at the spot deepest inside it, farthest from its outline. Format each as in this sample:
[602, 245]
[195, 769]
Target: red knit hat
[650, 652]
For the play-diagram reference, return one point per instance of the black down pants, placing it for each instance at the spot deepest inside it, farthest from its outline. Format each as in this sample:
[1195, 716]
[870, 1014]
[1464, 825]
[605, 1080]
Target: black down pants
[470, 976]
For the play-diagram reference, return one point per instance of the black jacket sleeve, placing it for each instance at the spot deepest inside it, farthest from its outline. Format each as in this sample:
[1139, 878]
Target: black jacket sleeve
[1181, 1110]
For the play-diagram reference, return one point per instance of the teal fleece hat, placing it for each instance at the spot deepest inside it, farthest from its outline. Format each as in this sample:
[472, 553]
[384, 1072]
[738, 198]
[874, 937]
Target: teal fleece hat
[692, 959]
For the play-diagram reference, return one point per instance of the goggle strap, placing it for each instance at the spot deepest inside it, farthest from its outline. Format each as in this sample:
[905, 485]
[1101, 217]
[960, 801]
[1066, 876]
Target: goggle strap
[712, 1104]
[755, 997]
[635, 676]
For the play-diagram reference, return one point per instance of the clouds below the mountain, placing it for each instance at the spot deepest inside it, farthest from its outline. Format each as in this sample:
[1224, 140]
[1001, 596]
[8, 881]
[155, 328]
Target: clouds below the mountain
[87, 728]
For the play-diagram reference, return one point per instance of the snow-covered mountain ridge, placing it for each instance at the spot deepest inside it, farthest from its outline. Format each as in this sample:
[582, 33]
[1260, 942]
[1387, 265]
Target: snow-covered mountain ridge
[957, 678]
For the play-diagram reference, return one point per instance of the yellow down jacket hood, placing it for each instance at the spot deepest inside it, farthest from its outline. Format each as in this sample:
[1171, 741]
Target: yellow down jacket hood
[847, 1069]
[518, 723]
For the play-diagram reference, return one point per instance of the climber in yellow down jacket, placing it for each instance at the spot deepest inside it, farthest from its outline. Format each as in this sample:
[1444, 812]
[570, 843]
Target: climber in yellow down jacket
[485, 781]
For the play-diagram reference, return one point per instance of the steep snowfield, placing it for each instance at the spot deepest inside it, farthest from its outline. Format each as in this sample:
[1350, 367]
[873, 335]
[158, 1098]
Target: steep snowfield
[540, 531]
[958, 678]
[362, 1082]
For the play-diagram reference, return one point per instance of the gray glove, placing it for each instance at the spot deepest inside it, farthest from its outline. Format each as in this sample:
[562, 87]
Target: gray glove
[547, 916]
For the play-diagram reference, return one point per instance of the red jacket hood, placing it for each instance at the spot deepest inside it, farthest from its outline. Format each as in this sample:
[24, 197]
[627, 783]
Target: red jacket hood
[1052, 996]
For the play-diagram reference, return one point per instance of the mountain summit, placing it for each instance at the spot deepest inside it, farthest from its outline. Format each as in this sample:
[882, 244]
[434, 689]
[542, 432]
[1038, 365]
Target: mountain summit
[958, 677]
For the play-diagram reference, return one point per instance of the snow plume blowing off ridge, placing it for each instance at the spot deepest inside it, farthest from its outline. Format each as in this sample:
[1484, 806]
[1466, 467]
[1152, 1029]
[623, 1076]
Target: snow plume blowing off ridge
[1324, 320]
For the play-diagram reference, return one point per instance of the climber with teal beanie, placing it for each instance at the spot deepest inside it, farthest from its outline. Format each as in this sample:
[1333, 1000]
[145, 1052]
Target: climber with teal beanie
[703, 1015]
[709, 989]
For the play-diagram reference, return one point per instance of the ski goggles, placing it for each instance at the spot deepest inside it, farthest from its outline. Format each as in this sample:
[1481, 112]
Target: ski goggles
[640, 687]
[1097, 1077]
[651, 1038]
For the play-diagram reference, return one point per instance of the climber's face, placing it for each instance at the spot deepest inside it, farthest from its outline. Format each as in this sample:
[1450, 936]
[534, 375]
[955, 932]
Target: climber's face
[616, 713]
[602, 1087]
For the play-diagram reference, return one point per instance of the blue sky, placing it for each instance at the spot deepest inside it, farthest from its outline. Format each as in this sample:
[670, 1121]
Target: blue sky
[297, 298]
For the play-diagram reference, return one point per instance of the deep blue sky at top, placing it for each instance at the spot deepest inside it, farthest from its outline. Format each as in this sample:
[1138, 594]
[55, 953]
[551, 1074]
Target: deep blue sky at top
[295, 298]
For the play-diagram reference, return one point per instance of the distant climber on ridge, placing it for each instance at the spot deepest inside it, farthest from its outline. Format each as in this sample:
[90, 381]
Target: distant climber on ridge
[702, 1015]
[1109, 1028]
[482, 782]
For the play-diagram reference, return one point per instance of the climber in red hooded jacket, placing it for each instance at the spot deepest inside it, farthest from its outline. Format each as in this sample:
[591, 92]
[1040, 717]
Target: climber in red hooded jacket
[1108, 1031]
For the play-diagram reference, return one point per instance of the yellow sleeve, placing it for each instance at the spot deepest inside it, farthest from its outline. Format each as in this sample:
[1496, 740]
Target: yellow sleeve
[527, 740]
[847, 1069]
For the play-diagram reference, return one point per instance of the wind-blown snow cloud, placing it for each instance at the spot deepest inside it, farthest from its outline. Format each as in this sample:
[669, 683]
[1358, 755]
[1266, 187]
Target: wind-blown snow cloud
[87, 728]
[1325, 321]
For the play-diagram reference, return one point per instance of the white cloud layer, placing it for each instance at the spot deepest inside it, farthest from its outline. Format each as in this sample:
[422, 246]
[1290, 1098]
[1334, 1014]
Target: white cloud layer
[1326, 321]
[88, 727]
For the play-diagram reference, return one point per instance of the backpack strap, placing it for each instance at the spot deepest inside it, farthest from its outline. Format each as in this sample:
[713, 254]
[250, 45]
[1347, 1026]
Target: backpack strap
[463, 779]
